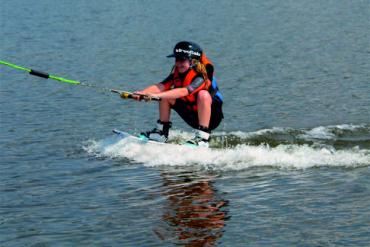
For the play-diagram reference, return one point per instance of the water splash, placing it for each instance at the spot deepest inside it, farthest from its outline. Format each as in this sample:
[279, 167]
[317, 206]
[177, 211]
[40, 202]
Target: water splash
[285, 153]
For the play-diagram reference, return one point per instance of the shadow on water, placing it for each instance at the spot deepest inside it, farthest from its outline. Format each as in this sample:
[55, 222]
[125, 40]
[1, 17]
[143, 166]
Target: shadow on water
[194, 212]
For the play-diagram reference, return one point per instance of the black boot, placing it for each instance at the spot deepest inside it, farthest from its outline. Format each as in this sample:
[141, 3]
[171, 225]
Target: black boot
[159, 133]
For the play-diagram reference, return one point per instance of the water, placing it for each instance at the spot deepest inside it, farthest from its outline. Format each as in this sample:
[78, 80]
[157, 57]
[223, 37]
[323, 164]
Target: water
[291, 159]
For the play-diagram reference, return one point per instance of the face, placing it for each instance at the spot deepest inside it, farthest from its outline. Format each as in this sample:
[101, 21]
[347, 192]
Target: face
[182, 64]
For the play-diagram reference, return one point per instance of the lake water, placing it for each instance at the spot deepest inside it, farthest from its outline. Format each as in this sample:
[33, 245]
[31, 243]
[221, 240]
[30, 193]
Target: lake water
[291, 163]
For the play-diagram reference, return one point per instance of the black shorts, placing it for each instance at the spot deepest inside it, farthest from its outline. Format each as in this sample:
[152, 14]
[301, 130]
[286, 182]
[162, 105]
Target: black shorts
[191, 116]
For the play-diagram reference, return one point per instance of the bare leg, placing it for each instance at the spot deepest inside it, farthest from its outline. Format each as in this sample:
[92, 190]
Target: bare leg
[204, 102]
[165, 109]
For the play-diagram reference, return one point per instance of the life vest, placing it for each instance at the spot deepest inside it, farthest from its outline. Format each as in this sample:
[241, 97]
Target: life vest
[215, 92]
[204, 60]
[178, 83]
[211, 86]
[213, 89]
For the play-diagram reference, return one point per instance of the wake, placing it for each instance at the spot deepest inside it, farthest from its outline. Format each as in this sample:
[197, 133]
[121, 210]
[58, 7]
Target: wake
[334, 146]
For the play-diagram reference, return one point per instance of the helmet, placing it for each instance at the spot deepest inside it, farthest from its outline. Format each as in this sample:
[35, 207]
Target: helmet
[188, 50]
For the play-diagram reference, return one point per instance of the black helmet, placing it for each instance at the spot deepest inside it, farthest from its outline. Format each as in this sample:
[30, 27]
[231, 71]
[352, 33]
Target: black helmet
[186, 49]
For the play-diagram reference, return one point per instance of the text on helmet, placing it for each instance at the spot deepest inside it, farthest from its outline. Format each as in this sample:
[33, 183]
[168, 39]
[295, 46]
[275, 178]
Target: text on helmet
[195, 53]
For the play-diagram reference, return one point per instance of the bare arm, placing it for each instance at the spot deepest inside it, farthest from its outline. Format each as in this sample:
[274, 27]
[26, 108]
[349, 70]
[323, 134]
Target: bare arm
[196, 85]
[172, 94]
[153, 89]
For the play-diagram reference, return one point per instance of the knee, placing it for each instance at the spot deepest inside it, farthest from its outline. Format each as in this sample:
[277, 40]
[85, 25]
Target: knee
[167, 102]
[204, 97]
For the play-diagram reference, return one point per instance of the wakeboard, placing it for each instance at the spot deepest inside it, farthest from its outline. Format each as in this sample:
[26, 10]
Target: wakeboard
[143, 139]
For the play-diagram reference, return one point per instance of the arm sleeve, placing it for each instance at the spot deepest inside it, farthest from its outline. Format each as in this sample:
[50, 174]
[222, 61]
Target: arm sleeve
[196, 85]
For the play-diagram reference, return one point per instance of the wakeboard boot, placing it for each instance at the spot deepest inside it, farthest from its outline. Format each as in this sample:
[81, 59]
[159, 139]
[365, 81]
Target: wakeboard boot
[159, 133]
[201, 138]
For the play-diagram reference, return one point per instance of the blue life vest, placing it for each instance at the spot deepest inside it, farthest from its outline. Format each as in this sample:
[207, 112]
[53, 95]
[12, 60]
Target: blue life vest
[215, 92]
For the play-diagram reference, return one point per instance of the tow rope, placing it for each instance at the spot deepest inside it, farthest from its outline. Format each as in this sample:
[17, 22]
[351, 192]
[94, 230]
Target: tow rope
[123, 94]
